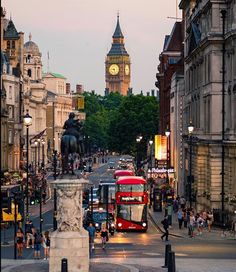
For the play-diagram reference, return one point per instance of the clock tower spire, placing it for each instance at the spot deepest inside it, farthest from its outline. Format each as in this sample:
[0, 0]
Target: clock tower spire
[117, 63]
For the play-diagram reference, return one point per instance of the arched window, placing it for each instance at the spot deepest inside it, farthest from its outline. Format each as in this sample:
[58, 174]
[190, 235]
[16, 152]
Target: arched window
[28, 59]
[38, 73]
[8, 45]
[29, 73]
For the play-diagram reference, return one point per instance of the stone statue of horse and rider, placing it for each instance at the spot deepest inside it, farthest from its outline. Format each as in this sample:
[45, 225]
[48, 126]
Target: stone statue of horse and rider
[71, 143]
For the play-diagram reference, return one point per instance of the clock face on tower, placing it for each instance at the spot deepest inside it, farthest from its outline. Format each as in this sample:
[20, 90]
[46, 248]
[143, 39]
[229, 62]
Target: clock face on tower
[127, 69]
[114, 69]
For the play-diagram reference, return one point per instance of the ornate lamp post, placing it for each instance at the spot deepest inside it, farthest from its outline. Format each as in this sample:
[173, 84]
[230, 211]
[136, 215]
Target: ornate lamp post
[43, 154]
[167, 133]
[190, 179]
[27, 119]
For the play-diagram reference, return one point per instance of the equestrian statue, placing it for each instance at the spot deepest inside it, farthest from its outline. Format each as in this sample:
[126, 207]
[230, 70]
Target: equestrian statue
[71, 143]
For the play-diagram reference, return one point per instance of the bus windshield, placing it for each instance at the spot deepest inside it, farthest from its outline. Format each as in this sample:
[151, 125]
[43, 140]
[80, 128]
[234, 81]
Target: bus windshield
[135, 213]
[131, 188]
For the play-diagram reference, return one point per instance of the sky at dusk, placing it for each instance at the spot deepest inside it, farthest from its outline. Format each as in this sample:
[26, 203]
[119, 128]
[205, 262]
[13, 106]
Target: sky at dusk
[78, 35]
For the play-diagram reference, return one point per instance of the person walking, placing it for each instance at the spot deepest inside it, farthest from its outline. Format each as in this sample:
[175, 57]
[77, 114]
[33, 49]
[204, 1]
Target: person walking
[165, 224]
[191, 224]
[29, 232]
[180, 218]
[104, 236]
[91, 230]
[20, 242]
[37, 244]
[210, 220]
[46, 244]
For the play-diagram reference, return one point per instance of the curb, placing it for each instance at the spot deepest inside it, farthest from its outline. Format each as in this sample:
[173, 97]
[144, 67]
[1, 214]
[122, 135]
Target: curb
[158, 227]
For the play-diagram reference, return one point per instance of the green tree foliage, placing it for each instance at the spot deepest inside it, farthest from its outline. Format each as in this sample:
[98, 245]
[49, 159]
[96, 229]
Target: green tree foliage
[115, 121]
[137, 115]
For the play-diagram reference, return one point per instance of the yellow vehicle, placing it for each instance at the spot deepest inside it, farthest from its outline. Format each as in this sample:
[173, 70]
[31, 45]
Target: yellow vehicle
[8, 205]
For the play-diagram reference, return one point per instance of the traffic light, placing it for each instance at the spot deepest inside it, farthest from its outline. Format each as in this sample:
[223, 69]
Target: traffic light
[156, 163]
[6, 201]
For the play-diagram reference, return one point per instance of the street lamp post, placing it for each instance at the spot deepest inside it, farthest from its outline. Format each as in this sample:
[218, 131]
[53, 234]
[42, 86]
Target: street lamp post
[40, 209]
[43, 154]
[39, 140]
[150, 145]
[27, 122]
[138, 140]
[35, 157]
[167, 133]
[190, 179]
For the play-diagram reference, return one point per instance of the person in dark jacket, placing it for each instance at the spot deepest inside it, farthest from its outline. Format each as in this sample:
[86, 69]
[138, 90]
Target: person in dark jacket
[165, 226]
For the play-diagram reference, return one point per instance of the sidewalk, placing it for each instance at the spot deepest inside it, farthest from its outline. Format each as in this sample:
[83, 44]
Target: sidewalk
[215, 234]
[96, 265]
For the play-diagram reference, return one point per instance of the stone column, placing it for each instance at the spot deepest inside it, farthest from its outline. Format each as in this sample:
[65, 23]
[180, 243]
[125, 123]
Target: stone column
[70, 240]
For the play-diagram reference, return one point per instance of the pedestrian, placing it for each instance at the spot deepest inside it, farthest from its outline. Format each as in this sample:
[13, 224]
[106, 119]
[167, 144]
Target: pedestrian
[29, 232]
[180, 218]
[185, 218]
[200, 224]
[91, 230]
[204, 217]
[182, 202]
[37, 244]
[46, 244]
[191, 224]
[104, 236]
[20, 242]
[210, 220]
[175, 205]
[166, 227]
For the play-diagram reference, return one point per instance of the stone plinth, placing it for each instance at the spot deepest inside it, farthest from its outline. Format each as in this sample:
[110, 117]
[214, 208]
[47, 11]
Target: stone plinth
[70, 240]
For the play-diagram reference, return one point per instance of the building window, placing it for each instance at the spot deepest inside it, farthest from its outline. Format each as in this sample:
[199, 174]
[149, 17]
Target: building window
[10, 92]
[10, 112]
[28, 59]
[8, 45]
[29, 72]
[13, 46]
[10, 136]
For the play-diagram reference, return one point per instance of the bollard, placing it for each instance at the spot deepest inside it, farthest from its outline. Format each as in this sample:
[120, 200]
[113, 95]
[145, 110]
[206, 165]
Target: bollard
[64, 265]
[168, 249]
[171, 262]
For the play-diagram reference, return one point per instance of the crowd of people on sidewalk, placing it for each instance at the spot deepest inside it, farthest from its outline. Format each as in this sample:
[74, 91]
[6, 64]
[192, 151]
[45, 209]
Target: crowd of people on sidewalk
[32, 238]
[188, 219]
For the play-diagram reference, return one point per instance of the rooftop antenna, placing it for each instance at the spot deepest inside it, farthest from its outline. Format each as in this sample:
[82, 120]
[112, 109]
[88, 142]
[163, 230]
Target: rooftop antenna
[176, 13]
[48, 62]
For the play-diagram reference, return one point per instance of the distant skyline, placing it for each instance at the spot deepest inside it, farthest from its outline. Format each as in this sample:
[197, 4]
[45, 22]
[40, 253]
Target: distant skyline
[78, 34]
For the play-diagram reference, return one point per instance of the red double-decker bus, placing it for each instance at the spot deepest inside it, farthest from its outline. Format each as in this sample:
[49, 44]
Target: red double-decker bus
[131, 204]
[122, 173]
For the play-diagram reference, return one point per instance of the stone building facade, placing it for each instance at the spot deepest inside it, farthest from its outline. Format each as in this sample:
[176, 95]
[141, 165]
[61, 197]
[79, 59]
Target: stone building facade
[35, 101]
[12, 83]
[203, 100]
[170, 62]
[58, 108]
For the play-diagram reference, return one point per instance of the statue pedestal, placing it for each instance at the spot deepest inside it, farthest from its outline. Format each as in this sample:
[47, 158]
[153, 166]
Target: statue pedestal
[70, 240]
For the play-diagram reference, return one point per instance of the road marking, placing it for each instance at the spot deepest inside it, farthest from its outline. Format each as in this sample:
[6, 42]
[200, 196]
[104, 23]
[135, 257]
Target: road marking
[152, 253]
[181, 254]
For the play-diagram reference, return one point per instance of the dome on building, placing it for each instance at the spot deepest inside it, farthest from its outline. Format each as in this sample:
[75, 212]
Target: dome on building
[31, 47]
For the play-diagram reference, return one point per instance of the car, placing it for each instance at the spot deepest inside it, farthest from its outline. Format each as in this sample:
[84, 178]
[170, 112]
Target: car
[111, 165]
[99, 218]
[95, 198]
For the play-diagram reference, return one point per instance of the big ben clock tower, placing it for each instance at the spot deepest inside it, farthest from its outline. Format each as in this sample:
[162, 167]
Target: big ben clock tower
[118, 64]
